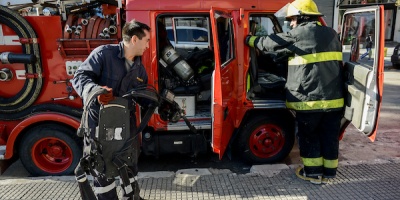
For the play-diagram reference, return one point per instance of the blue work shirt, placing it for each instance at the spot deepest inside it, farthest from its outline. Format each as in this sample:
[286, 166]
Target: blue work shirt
[105, 66]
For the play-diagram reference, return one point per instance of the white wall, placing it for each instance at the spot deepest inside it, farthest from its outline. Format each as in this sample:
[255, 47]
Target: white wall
[396, 36]
[327, 8]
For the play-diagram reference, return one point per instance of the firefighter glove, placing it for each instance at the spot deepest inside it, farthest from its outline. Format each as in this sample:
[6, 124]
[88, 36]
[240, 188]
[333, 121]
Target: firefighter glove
[250, 40]
[107, 97]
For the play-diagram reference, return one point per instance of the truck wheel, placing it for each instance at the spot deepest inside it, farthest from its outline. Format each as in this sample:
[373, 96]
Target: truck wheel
[50, 150]
[266, 139]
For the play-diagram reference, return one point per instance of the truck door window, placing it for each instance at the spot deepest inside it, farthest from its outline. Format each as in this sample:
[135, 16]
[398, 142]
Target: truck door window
[225, 39]
[264, 25]
[358, 38]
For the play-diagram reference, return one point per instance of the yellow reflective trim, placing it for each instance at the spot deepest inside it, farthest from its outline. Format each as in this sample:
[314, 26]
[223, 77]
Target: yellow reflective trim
[319, 23]
[315, 57]
[251, 40]
[313, 162]
[248, 83]
[331, 163]
[315, 105]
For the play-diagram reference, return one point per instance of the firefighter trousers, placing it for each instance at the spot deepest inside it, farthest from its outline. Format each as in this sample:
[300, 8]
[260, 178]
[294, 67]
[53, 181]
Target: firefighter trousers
[318, 137]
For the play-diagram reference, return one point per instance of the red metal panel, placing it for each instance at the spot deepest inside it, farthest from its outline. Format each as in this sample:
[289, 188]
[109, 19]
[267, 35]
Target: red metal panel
[381, 65]
[224, 101]
[2, 134]
[53, 63]
[205, 4]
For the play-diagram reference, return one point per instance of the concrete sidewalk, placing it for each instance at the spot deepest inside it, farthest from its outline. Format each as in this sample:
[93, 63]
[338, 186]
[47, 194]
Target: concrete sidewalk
[378, 180]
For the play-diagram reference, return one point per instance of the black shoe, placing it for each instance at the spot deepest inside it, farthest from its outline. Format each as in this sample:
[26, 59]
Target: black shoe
[313, 179]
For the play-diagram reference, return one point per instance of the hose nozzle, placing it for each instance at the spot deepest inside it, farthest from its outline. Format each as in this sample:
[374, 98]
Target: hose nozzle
[84, 22]
[112, 30]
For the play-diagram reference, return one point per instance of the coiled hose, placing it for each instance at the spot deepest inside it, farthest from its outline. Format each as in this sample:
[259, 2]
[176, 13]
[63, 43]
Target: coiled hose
[32, 87]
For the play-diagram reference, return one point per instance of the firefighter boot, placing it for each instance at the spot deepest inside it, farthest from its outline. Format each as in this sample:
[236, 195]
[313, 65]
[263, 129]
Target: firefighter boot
[313, 179]
[330, 168]
[326, 180]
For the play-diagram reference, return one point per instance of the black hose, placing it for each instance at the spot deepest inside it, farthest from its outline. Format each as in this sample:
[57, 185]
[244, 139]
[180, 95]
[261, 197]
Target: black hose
[32, 87]
[42, 108]
[19, 58]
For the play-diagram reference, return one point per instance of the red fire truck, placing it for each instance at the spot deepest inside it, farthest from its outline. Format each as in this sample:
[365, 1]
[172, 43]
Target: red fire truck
[231, 94]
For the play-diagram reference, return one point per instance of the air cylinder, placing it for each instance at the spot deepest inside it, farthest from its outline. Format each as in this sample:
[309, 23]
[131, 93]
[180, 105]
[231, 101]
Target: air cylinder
[175, 61]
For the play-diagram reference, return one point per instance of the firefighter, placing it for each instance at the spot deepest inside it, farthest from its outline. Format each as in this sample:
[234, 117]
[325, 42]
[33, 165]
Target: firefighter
[117, 68]
[314, 87]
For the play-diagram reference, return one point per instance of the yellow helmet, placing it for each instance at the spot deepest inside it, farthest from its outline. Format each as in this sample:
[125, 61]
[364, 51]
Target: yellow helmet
[302, 7]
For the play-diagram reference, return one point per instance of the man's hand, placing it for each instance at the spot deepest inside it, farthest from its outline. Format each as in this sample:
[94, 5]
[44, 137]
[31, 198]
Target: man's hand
[105, 98]
[250, 40]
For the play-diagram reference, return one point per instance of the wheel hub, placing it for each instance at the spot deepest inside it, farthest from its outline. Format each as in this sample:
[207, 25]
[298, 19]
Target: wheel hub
[51, 155]
[266, 140]
[55, 151]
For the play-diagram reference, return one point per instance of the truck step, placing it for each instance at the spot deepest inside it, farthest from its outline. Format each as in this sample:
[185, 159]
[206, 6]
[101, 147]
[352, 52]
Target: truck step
[199, 125]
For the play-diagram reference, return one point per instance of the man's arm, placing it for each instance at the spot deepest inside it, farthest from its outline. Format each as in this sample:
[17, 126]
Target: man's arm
[87, 76]
[273, 43]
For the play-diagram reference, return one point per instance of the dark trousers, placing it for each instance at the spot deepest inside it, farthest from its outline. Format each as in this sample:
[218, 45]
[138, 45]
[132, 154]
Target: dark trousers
[367, 53]
[105, 189]
[318, 137]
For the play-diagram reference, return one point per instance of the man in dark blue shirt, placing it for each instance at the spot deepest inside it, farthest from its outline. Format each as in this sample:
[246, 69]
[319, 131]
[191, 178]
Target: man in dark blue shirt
[118, 69]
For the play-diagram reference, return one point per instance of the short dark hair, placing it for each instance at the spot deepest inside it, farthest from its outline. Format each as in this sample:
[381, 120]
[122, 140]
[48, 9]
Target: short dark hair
[132, 28]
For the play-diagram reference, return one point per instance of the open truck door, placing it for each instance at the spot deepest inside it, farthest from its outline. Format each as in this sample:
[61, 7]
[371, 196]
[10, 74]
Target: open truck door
[363, 69]
[223, 82]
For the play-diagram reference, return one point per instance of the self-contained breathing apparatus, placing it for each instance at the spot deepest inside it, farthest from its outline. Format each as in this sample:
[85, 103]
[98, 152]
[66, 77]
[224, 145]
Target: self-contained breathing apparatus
[109, 153]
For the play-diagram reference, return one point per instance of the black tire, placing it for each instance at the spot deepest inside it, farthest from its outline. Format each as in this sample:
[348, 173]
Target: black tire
[266, 139]
[50, 150]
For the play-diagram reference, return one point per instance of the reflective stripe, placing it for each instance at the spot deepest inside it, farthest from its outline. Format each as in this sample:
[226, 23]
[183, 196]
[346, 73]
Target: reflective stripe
[315, 105]
[128, 189]
[312, 162]
[82, 178]
[248, 83]
[101, 190]
[315, 57]
[132, 180]
[331, 163]
[251, 40]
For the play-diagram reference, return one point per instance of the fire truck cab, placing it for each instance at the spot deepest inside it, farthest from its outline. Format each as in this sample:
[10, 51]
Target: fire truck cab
[232, 95]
